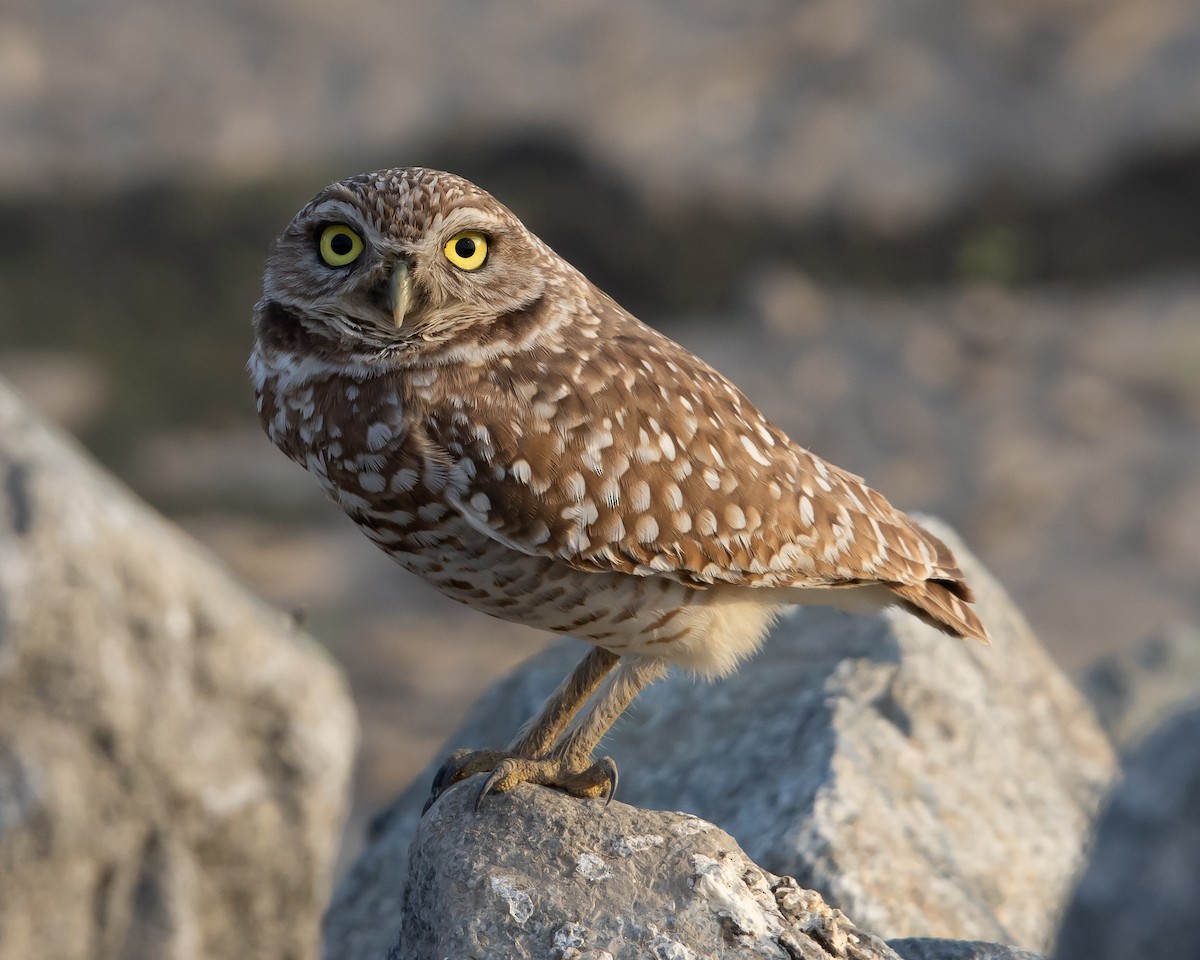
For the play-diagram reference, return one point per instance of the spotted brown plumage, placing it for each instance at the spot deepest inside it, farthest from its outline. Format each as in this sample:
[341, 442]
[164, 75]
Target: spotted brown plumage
[506, 431]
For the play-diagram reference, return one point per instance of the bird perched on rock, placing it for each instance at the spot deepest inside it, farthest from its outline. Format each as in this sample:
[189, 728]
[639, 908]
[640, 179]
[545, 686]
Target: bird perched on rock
[506, 431]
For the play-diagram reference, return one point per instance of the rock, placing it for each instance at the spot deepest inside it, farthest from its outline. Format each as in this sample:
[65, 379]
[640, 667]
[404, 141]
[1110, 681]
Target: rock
[539, 874]
[1136, 690]
[921, 948]
[173, 755]
[1139, 894]
[925, 786]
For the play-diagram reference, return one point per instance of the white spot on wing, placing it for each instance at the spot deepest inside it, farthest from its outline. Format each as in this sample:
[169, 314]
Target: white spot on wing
[646, 529]
[639, 496]
[806, 511]
[753, 450]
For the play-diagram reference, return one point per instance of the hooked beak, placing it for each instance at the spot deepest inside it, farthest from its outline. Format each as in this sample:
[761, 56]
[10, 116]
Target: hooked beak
[399, 292]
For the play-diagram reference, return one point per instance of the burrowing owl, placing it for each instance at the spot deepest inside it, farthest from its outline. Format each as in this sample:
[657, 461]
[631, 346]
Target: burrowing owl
[505, 430]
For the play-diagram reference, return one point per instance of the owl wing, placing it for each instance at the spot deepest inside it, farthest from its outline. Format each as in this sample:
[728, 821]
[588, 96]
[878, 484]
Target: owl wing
[639, 458]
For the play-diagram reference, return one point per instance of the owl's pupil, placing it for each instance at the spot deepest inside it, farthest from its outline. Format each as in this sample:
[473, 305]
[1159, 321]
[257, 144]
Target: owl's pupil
[341, 244]
[465, 247]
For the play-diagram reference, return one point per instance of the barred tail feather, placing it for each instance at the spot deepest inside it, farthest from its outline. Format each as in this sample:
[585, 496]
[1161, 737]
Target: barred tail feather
[945, 604]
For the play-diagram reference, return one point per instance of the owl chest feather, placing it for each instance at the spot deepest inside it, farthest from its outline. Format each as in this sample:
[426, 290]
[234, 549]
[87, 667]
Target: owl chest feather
[355, 434]
[366, 440]
[369, 443]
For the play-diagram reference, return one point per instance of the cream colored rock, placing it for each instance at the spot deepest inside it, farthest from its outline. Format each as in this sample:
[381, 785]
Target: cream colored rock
[174, 756]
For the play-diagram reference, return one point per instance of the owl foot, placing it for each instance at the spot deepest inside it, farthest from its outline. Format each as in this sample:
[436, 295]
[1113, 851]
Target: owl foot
[459, 765]
[598, 779]
[505, 770]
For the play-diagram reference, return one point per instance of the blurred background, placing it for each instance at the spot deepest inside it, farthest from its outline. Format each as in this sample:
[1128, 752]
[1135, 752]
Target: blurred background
[951, 245]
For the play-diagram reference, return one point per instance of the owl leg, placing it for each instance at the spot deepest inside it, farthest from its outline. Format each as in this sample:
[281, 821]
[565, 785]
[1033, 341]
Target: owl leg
[540, 733]
[569, 764]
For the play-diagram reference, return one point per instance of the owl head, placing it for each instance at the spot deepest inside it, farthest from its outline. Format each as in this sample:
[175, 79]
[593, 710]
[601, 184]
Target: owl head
[403, 263]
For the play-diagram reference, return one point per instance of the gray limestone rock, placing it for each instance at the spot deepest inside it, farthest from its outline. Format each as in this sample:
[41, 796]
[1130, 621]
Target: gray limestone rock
[173, 755]
[541, 875]
[1141, 890]
[925, 786]
[538, 874]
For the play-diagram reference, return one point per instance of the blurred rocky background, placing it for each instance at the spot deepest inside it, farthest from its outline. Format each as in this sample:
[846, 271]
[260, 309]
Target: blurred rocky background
[952, 246]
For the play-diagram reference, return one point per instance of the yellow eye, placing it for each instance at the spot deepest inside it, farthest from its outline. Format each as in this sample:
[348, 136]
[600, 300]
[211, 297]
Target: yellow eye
[340, 245]
[467, 250]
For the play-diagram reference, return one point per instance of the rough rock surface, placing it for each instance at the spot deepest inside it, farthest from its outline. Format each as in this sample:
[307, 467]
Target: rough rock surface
[1139, 894]
[173, 755]
[925, 786]
[540, 875]
[1135, 691]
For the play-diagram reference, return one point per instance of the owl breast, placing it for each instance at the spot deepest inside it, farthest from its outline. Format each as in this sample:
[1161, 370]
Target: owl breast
[368, 445]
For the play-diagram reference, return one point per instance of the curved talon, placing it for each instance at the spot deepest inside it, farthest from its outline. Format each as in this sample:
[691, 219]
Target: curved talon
[445, 775]
[505, 771]
[610, 767]
[456, 767]
[501, 772]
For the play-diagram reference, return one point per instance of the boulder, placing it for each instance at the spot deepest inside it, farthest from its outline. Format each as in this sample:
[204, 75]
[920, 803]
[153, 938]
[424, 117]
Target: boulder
[174, 755]
[925, 786]
[538, 874]
[1134, 691]
[1139, 894]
